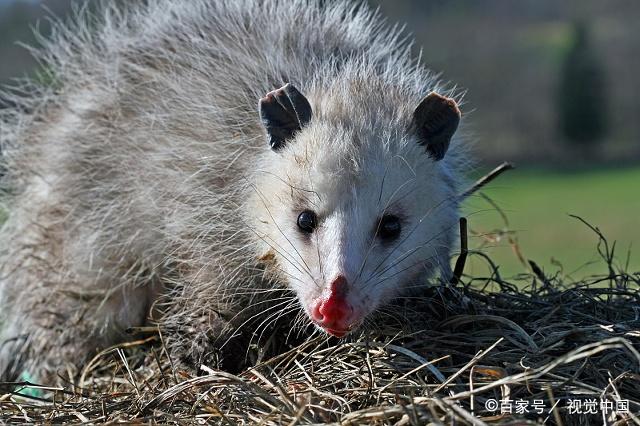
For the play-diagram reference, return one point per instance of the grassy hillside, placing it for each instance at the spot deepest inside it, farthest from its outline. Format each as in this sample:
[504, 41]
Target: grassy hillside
[538, 203]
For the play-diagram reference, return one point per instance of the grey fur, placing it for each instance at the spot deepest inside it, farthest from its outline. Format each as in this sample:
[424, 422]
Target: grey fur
[128, 176]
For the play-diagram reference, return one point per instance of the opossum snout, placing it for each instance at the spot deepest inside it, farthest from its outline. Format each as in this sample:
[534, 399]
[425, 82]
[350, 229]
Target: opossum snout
[333, 312]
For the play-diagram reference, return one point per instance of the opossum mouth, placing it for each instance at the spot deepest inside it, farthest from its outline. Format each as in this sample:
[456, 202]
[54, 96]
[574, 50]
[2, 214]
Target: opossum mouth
[337, 333]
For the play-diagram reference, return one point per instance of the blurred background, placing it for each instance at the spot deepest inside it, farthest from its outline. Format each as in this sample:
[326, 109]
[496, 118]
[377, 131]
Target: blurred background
[550, 86]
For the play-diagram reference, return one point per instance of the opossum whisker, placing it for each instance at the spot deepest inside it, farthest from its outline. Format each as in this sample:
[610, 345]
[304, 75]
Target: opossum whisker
[262, 292]
[290, 185]
[417, 298]
[404, 255]
[397, 316]
[279, 250]
[408, 253]
[300, 325]
[257, 292]
[320, 263]
[286, 295]
[279, 270]
[259, 329]
[370, 324]
[381, 277]
[425, 260]
[264, 203]
[273, 319]
[417, 284]
[284, 301]
[441, 204]
[384, 177]
[421, 261]
[373, 242]
[307, 269]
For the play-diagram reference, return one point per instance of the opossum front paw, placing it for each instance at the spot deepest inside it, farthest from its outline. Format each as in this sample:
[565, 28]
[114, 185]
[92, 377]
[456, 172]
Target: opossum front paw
[230, 356]
[214, 346]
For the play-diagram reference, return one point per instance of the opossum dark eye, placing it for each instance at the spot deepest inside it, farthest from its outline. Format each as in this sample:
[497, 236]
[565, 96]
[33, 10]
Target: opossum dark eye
[389, 227]
[307, 221]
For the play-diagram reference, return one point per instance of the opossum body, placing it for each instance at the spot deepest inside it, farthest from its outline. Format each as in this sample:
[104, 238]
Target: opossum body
[210, 162]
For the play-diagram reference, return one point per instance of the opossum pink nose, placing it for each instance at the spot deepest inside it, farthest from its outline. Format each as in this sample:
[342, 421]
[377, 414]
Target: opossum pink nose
[334, 313]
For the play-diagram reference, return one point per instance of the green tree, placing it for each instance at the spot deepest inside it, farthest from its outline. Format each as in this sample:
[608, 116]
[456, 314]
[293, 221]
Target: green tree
[582, 100]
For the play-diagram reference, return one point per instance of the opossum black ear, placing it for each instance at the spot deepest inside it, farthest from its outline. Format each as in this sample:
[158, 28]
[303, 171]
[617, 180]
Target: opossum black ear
[436, 120]
[283, 112]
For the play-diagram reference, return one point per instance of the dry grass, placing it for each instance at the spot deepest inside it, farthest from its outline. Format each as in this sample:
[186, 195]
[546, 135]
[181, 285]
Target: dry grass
[532, 338]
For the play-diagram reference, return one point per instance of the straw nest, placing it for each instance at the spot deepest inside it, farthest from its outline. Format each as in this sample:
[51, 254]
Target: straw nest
[529, 349]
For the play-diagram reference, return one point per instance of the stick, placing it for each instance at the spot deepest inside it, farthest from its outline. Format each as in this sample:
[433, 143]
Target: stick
[487, 178]
[462, 259]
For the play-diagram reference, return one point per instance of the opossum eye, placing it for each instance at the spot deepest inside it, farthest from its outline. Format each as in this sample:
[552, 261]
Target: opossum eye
[307, 221]
[389, 227]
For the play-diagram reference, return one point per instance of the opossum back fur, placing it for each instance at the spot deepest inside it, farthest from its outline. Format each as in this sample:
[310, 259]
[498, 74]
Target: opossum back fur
[129, 173]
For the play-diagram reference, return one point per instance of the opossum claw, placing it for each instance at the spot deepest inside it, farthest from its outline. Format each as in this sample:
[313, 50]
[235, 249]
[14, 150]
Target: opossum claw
[283, 112]
[436, 119]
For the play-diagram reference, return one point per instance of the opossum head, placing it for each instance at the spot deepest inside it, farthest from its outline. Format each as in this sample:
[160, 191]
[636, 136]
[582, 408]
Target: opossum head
[356, 205]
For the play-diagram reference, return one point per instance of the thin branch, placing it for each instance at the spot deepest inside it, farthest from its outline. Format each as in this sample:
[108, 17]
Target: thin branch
[487, 178]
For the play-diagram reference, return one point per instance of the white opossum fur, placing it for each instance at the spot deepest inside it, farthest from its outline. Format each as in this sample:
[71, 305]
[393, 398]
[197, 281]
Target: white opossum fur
[140, 176]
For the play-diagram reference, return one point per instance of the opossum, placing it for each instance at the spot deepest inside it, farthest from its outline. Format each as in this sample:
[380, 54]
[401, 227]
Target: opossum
[197, 164]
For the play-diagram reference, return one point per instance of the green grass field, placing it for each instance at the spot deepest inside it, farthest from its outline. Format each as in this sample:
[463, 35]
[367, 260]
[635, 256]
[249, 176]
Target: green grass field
[537, 204]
